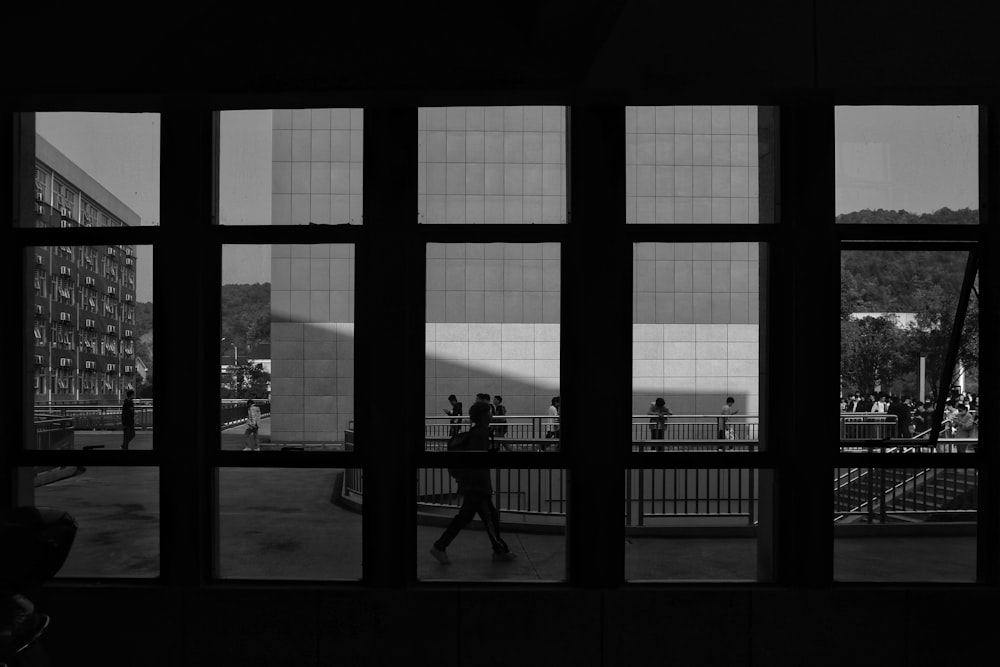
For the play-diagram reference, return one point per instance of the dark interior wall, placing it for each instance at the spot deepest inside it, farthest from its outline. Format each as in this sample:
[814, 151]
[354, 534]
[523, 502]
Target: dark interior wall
[785, 52]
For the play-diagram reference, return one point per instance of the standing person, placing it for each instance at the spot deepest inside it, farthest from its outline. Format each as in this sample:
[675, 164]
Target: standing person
[253, 426]
[128, 419]
[725, 430]
[476, 490]
[901, 411]
[658, 421]
[964, 423]
[879, 405]
[455, 412]
[499, 412]
[552, 422]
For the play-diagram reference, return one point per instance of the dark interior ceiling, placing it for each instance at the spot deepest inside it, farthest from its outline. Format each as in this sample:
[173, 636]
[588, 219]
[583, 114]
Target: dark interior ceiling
[553, 49]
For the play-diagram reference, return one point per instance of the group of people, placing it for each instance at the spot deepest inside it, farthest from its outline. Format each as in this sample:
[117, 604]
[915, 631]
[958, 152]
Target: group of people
[960, 413]
[659, 412]
[498, 412]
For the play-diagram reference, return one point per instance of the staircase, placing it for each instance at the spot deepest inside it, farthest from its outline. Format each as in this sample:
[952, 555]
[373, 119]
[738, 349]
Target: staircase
[907, 494]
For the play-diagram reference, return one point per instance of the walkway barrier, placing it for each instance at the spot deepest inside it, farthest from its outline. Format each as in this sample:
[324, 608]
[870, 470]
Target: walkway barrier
[867, 426]
[234, 410]
[697, 427]
[53, 431]
[109, 417]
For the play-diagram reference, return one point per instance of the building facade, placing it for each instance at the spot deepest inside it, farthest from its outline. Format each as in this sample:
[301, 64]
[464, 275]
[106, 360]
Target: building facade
[84, 296]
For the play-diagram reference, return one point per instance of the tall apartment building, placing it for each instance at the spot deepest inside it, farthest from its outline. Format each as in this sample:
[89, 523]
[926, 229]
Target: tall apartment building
[84, 303]
[493, 315]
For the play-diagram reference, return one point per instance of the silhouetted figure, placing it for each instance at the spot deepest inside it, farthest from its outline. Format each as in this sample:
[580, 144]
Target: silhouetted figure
[128, 419]
[476, 490]
[901, 411]
[455, 412]
[499, 416]
[658, 422]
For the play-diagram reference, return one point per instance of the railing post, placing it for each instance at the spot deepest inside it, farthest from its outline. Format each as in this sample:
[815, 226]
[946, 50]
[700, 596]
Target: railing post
[752, 492]
[642, 496]
[871, 496]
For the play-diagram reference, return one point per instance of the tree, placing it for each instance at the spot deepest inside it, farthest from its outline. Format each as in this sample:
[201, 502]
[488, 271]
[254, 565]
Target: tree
[246, 380]
[871, 352]
[930, 335]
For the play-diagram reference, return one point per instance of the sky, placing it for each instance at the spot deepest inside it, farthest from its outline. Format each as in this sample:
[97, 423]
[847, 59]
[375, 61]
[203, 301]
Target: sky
[918, 159]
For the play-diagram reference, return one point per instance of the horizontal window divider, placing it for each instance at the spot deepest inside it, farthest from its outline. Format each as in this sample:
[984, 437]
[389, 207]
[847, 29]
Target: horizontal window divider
[941, 235]
[541, 233]
[701, 233]
[256, 234]
[716, 459]
[907, 460]
[88, 458]
[35, 236]
[285, 459]
[492, 460]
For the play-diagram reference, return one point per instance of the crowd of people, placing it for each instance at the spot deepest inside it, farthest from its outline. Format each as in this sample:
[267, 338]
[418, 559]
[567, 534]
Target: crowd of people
[960, 415]
[498, 412]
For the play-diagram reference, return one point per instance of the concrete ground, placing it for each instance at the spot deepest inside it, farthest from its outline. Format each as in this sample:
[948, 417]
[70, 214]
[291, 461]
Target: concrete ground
[281, 524]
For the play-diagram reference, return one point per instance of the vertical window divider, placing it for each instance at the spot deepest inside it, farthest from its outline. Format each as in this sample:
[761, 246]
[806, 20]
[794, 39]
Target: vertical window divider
[596, 281]
[986, 457]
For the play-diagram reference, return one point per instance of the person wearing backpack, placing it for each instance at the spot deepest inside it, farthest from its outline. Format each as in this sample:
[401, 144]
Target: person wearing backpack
[476, 490]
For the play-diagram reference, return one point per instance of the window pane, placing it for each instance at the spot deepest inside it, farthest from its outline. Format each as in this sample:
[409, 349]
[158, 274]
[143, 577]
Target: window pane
[530, 523]
[281, 523]
[117, 511]
[287, 342]
[897, 313]
[493, 328]
[96, 170]
[882, 517]
[905, 165]
[91, 338]
[291, 167]
[698, 164]
[691, 524]
[497, 165]
[696, 344]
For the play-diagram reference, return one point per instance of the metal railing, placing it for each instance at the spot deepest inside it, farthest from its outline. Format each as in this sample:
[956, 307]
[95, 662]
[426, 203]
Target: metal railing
[234, 410]
[885, 494]
[109, 417]
[53, 431]
[745, 427]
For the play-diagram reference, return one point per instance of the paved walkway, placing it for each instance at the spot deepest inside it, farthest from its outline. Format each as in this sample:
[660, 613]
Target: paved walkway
[281, 524]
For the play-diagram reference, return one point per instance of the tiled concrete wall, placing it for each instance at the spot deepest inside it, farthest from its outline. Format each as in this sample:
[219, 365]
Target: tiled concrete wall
[694, 367]
[316, 166]
[519, 361]
[312, 342]
[691, 164]
[491, 165]
[687, 283]
[493, 324]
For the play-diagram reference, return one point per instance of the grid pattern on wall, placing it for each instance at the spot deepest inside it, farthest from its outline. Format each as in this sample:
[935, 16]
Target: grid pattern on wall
[694, 367]
[691, 164]
[493, 282]
[491, 165]
[312, 342]
[316, 168]
[492, 318]
[700, 283]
